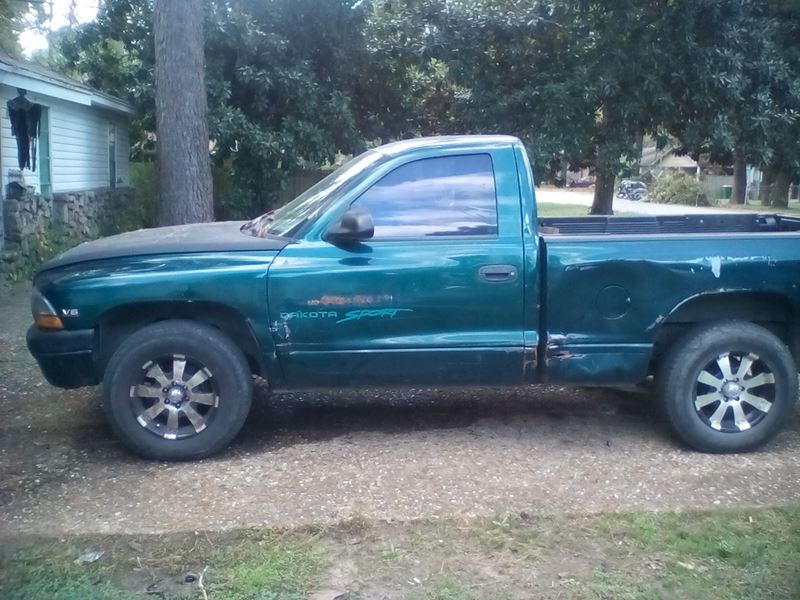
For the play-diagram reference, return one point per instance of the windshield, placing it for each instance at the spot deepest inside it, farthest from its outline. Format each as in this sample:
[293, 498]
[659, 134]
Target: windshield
[287, 220]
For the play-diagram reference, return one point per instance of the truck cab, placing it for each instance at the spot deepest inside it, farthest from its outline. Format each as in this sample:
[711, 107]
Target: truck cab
[436, 294]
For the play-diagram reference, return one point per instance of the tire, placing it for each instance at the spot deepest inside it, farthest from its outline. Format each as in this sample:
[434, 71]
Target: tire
[177, 390]
[727, 387]
[637, 195]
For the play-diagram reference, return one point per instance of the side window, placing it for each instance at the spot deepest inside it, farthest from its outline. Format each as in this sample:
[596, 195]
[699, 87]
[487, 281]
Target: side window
[449, 195]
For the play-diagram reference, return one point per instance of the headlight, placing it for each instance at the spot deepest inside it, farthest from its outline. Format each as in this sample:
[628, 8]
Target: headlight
[44, 315]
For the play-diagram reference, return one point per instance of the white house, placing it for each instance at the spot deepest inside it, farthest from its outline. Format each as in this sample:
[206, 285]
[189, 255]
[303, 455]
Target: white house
[83, 133]
[657, 161]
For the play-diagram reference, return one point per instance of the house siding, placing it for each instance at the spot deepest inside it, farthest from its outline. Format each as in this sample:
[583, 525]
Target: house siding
[78, 145]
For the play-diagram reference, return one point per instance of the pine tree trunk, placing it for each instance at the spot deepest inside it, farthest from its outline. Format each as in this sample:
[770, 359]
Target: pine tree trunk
[779, 194]
[739, 179]
[184, 169]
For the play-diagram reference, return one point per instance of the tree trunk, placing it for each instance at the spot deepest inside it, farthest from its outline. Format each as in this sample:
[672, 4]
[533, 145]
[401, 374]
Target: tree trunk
[603, 202]
[637, 164]
[739, 179]
[779, 193]
[767, 179]
[184, 169]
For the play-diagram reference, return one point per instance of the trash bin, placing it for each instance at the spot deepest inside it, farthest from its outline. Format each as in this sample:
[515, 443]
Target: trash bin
[726, 192]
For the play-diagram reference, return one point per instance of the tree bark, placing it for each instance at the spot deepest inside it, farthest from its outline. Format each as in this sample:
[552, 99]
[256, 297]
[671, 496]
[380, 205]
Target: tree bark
[767, 179]
[606, 171]
[603, 202]
[639, 145]
[739, 179]
[184, 169]
[779, 193]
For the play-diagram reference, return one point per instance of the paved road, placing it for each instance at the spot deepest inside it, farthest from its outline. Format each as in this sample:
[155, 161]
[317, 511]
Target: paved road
[321, 457]
[583, 197]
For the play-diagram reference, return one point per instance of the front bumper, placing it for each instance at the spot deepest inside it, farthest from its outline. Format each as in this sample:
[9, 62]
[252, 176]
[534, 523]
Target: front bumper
[65, 357]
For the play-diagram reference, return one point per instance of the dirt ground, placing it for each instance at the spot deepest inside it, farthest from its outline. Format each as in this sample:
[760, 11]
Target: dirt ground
[395, 456]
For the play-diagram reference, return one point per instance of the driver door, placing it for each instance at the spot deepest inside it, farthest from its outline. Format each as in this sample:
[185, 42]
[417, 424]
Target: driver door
[436, 296]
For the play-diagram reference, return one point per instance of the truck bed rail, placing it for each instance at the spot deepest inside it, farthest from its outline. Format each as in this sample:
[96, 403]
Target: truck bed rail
[669, 224]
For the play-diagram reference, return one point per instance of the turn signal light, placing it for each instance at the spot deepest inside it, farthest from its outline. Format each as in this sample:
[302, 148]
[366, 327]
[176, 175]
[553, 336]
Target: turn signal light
[48, 321]
[44, 315]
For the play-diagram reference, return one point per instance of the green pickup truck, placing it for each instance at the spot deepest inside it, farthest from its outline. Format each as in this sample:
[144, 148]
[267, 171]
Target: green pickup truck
[423, 263]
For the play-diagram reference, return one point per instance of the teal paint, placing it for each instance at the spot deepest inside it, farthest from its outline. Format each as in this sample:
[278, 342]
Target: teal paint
[415, 311]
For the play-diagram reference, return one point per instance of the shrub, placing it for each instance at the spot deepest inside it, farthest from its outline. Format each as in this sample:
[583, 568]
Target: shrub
[678, 188]
[143, 178]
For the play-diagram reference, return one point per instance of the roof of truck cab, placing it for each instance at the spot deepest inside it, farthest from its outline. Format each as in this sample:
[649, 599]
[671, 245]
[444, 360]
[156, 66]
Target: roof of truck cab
[446, 141]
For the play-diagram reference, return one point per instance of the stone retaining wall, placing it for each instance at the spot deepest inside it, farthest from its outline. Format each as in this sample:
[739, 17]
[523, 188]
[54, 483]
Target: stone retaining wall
[37, 226]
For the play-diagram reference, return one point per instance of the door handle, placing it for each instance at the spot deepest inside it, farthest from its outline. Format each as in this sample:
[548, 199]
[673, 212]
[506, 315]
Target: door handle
[497, 273]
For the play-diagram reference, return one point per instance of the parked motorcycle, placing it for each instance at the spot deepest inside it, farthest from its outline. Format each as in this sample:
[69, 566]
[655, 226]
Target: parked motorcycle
[631, 189]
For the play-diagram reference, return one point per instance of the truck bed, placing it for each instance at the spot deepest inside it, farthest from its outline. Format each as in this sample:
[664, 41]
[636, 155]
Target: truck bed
[610, 284]
[669, 224]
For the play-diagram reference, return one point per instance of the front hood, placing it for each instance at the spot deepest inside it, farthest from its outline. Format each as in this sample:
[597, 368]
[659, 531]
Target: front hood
[196, 237]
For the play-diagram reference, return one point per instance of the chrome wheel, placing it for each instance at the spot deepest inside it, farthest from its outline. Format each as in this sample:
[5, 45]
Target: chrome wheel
[734, 392]
[176, 398]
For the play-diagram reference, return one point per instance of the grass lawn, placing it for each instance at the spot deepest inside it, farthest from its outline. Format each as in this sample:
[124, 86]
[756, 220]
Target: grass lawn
[743, 554]
[552, 209]
[794, 207]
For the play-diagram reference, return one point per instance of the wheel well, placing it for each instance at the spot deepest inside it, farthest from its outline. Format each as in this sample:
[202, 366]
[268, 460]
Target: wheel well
[117, 324]
[772, 312]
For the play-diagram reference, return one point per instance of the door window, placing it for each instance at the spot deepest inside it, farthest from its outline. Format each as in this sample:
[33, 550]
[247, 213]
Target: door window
[443, 196]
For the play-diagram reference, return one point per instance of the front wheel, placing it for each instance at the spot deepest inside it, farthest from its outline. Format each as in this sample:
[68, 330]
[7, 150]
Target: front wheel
[177, 390]
[728, 387]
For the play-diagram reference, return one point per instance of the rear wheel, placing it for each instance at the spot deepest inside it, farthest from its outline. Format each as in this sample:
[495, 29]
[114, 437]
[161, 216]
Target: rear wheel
[177, 390]
[728, 387]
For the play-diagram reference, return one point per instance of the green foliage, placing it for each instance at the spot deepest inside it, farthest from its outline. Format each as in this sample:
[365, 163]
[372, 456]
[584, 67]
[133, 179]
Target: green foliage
[50, 586]
[283, 79]
[266, 567]
[48, 241]
[747, 555]
[448, 588]
[145, 181]
[734, 89]
[49, 572]
[14, 17]
[743, 554]
[291, 83]
[678, 188]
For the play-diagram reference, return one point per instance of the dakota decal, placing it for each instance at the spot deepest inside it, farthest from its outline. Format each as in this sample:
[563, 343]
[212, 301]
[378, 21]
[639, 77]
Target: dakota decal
[351, 315]
[310, 314]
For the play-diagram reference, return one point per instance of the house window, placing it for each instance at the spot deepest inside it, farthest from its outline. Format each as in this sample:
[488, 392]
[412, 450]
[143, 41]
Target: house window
[112, 156]
[443, 196]
[45, 184]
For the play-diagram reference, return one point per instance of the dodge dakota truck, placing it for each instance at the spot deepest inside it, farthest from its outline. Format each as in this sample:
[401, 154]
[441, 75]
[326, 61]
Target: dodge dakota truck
[424, 263]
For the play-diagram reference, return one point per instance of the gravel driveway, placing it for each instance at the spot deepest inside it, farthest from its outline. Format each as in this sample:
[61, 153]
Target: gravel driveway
[322, 457]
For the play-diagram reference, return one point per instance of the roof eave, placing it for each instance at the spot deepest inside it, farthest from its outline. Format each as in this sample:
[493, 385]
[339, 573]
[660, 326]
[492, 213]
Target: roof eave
[41, 84]
[113, 104]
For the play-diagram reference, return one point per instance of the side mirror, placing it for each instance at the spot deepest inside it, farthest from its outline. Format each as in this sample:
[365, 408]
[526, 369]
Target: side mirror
[354, 226]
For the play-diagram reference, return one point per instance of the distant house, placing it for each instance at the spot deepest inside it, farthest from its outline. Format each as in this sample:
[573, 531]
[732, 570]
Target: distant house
[657, 162]
[64, 155]
[83, 133]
